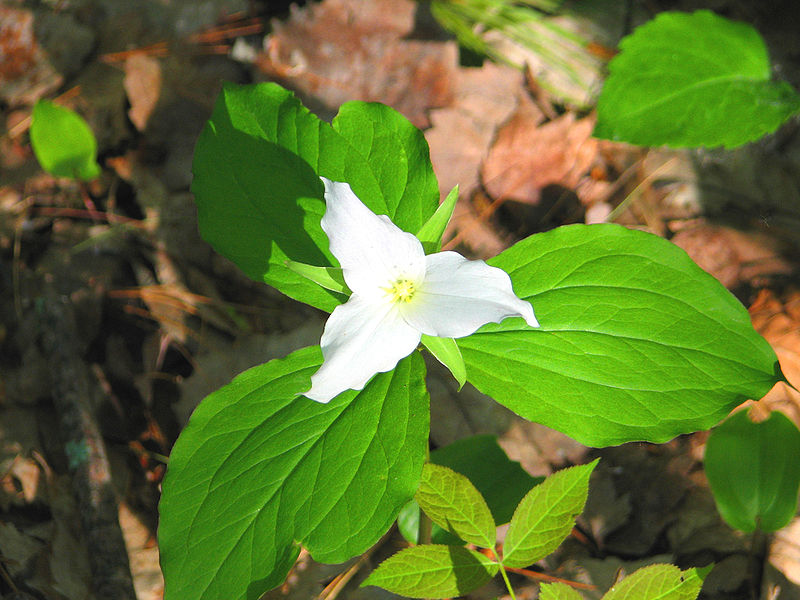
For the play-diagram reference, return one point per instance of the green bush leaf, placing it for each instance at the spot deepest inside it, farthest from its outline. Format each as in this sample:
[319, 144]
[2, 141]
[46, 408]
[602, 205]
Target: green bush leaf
[754, 471]
[256, 180]
[692, 80]
[558, 591]
[546, 516]
[453, 503]
[501, 481]
[433, 571]
[658, 582]
[260, 469]
[63, 142]
[636, 343]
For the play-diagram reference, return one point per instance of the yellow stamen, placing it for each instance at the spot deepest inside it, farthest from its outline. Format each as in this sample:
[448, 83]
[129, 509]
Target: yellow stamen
[401, 290]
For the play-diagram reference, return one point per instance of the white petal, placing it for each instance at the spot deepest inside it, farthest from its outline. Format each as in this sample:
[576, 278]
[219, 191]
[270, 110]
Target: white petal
[459, 296]
[371, 249]
[361, 338]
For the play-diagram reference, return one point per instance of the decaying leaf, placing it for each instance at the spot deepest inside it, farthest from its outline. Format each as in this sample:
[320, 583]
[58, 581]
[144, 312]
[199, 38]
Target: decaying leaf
[143, 86]
[461, 133]
[25, 72]
[528, 155]
[342, 50]
[730, 255]
[777, 318]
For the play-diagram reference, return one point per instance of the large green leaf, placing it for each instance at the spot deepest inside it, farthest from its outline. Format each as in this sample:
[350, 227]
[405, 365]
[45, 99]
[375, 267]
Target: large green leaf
[546, 516]
[397, 155]
[433, 571]
[636, 341]
[658, 582]
[260, 469]
[453, 503]
[692, 80]
[256, 180]
[754, 471]
[63, 142]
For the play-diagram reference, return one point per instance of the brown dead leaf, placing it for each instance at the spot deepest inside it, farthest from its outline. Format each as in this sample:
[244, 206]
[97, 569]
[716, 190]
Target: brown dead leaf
[143, 554]
[143, 86]
[28, 474]
[461, 133]
[342, 50]
[528, 155]
[459, 141]
[784, 553]
[25, 72]
[777, 318]
[733, 257]
[540, 449]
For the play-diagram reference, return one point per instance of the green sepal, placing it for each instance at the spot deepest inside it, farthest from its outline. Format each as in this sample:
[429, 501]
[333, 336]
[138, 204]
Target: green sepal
[448, 353]
[331, 278]
[430, 234]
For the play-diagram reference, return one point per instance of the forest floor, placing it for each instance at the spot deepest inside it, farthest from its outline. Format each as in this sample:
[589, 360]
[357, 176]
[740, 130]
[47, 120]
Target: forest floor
[160, 320]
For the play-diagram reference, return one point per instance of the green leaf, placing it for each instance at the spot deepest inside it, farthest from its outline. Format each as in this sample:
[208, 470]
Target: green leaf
[692, 80]
[636, 341]
[260, 469]
[657, 582]
[501, 481]
[63, 142]
[397, 155]
[754, 471]
[256, 182]
[558, 591]
[546, 516]
[331, 278]
[446, 352]
[453, 503]
[433, 571]
[431, 233]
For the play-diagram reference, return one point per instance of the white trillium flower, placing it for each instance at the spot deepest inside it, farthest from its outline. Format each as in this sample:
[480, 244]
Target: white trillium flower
[399, 294]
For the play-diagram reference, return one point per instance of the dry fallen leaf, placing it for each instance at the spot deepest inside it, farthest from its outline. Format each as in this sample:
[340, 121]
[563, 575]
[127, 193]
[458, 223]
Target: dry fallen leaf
[342, 50]
[461, 133]
[778, 320]
[25, 72]
[732, 256]
[784, 553]
[528, 155]
[459, 141]
[143, 86]
[143, 554]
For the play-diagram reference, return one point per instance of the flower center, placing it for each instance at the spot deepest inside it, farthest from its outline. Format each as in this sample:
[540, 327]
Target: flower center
[401, 290]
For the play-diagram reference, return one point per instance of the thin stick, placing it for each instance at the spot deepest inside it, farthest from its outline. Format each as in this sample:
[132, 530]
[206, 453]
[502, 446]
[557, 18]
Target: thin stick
[85, 449]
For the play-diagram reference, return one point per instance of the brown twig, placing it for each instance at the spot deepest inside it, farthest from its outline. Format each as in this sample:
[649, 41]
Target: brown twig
[550, 578]
[86, 453]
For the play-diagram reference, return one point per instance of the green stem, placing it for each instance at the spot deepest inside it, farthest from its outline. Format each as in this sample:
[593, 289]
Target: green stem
[508, 583]
[425, 527]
